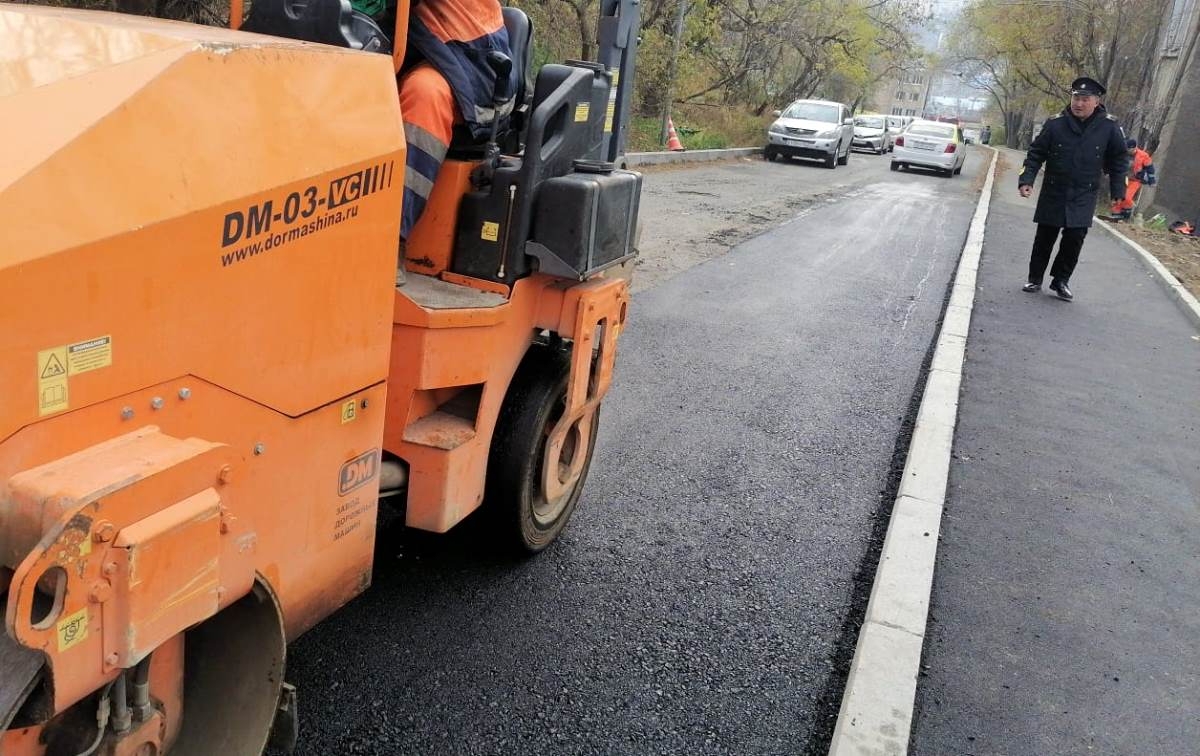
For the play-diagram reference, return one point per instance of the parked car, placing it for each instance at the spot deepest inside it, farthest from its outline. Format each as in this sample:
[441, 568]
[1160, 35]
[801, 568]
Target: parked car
[871, 133]
[970, 135]
[818, 129]
[929, 144]
[896, 126]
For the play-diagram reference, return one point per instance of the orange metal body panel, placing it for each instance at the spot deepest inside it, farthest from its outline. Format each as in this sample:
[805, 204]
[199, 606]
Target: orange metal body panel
[431, 242]
[156, 274]
[436, 349]
[22, 742]
[196, 328]
[285, 517]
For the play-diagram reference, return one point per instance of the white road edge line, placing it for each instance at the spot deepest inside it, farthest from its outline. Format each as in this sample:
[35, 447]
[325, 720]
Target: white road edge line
[1187, 302]
[877, 706]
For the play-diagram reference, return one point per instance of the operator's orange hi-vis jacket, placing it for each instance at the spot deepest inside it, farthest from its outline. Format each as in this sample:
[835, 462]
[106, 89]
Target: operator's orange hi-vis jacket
[452, 84]
[1141, 159]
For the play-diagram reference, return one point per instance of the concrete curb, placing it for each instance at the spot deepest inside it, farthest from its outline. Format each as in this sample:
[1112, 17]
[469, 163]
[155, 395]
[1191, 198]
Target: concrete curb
[695, 156]
[1184, 298]
[877, 705]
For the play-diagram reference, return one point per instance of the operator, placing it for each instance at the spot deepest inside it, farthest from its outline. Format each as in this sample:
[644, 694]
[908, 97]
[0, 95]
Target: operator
[1075, 145]
[445, 82]
[1142, 172]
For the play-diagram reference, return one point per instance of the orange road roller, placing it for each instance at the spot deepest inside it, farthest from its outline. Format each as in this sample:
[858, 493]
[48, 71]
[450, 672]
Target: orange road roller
[210, 375]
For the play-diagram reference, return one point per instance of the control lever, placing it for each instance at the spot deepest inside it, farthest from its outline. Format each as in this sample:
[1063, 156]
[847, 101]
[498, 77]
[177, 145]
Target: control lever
[501, 66]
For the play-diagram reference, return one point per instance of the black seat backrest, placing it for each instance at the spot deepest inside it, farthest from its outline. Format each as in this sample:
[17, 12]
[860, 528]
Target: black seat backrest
[520, 37]
[463, 146]
[330, 22]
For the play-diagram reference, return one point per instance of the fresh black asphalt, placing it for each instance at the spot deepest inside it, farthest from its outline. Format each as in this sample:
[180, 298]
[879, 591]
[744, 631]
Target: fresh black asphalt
[1064, 616]
[705, 599]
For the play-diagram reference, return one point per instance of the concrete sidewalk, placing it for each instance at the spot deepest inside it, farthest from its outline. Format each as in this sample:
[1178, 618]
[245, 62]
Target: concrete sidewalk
[1065, 615]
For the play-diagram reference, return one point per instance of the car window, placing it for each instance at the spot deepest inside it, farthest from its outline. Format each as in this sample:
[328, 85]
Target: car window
[813, 111]
[869, 122]
[932, 130]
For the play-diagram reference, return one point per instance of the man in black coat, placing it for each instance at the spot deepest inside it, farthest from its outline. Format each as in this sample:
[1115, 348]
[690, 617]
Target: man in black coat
[1076, 146]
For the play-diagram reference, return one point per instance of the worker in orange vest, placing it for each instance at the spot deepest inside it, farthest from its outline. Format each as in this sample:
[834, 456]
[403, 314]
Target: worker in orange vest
[1141, 172]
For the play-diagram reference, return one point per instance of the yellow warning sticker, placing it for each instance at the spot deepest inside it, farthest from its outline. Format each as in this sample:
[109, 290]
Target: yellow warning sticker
[52, 380]
[349, 411]
[72, 629]
[612, 101]
[490, 232]
[89, 355]
[582, 110]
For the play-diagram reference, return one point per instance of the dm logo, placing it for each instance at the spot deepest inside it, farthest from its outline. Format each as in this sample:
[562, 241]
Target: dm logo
[358, 472]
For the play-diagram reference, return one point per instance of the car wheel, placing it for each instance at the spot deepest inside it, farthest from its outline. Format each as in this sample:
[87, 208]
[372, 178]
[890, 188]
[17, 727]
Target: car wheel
[769, 154]
[895, 166]
[958, 170]
[844, 159]
[832, 160]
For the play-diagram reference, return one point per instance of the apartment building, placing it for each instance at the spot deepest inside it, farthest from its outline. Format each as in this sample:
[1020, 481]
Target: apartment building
[906, 95]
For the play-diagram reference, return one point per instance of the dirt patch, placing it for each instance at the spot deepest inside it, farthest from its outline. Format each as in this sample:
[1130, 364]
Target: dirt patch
[1181, 254]
[692, 213]
[685, 166]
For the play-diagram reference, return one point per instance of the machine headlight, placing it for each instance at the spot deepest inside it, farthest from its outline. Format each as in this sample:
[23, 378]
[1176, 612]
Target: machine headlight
[832, 133]
[776, 128]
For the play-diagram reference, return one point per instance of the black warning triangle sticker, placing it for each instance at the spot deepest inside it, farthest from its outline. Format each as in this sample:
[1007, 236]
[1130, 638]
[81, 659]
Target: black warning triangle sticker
[54, 367]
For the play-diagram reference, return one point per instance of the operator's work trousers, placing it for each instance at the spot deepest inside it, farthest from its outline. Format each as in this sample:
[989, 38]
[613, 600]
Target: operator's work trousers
[427, 107]
[1126, 202]
[1068, 252]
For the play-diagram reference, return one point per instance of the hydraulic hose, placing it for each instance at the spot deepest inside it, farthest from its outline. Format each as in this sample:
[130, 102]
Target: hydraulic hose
[141, 690]
[121, 720]
[101, 720]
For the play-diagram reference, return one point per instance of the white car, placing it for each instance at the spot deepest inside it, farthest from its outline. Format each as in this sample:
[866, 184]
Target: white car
[871, 133]
[811, 129]
[930, 144]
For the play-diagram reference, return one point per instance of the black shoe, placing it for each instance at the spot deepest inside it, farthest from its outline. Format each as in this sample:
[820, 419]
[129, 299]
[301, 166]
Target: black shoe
[1060, 288]
[1032, 287]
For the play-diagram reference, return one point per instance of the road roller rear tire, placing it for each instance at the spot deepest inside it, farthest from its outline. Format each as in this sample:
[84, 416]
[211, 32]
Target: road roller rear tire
[515, 497]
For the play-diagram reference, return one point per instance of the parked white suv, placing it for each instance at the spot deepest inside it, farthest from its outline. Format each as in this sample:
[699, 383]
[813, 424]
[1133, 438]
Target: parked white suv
[818, 129]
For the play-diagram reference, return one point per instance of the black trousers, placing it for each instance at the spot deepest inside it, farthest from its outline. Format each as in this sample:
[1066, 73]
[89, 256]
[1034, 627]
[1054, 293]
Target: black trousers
[1068, 252]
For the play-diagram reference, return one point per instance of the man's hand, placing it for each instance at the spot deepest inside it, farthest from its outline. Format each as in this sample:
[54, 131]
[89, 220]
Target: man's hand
[1025, 190]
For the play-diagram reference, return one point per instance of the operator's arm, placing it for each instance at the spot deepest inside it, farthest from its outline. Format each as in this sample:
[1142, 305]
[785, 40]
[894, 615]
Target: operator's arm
[1036, 156]
[1116, 162]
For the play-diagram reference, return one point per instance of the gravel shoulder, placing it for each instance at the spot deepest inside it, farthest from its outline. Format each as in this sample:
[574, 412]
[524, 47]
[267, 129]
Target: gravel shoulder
[1179, 253]
[691, 214]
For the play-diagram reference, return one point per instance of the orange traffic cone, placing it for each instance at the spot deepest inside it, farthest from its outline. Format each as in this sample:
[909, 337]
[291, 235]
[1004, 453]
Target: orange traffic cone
[673, 143]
